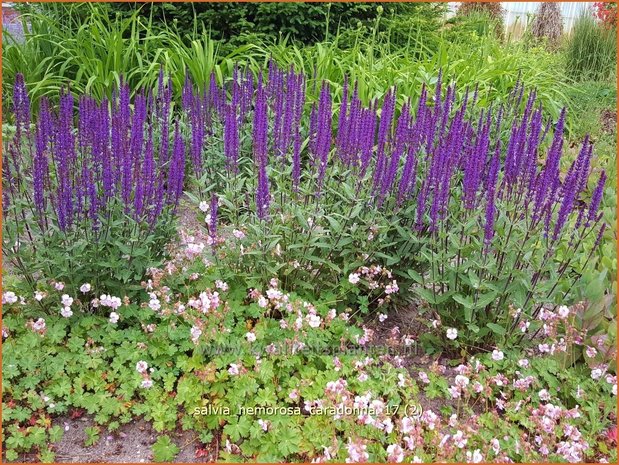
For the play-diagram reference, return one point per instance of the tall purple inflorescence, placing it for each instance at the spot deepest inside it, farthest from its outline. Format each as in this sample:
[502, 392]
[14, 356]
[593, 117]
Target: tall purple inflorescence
[299, 103]
[322, 137]
[260, 147]
[596, 199]
[21, 106]
[231, 138]
[386, 119]
[493, 173]
[64, 158]
[434, 160]
[40, 169]
[548, 180]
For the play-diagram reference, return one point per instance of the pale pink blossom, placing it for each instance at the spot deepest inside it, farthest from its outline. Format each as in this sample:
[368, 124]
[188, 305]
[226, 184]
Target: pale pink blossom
[314, 321]
[234, 369]
[9, 297]
[141, 366]
[85, 288]
[39, 325]
[147, 383]
[459, 439]
[591, 352]
[395, 453]
[66, 312]
[474, 457]
[563, 312]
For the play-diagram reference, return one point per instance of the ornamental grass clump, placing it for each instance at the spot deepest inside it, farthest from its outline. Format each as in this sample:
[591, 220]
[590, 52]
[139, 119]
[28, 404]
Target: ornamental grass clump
[591, 49]
[90, 197]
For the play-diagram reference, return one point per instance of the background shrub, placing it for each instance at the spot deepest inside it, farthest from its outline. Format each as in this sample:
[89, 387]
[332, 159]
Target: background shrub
[479, 10]
[548, 23]
[606, 12]
[305, 22]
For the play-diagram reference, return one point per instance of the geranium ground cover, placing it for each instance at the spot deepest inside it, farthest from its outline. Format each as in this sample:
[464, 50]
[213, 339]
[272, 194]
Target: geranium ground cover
[320, 218]
[195, 352]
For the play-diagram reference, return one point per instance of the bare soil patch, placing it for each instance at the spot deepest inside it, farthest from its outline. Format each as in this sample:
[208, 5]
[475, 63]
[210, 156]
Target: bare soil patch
[131, 443]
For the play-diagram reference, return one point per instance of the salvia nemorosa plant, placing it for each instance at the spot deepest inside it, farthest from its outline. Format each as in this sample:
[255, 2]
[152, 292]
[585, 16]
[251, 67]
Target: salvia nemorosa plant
[468, 206]
[90, 189]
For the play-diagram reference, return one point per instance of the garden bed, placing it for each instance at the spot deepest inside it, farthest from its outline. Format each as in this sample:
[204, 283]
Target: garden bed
[369, 249]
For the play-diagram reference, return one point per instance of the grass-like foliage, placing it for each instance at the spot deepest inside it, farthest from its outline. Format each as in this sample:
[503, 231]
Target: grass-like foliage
[96, 49]
[591, 50]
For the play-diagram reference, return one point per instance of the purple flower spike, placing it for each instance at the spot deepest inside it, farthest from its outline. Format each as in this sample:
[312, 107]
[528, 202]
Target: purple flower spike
[231, 139]
[260, 151]
[490, 199]
[386, 118]
[596, 199]
[21, 105]
[323, 136]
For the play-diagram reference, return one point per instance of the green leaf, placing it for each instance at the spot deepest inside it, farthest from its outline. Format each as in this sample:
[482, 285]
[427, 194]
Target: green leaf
[497, 329]
[467, 302]
[164, 450]
[426, 294]
[486, 299]
[415, 276]
[474, 279]
[289, 440]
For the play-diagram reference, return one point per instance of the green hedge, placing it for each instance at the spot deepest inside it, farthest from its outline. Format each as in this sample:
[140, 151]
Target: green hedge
[302, 22]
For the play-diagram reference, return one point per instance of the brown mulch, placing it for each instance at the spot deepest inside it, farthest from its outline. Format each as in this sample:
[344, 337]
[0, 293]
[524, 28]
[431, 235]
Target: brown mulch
[608, 120]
